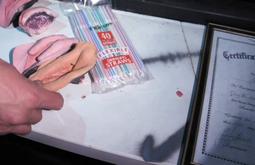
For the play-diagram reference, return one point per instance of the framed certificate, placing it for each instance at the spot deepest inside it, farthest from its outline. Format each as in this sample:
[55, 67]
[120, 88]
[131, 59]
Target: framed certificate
[222, 125]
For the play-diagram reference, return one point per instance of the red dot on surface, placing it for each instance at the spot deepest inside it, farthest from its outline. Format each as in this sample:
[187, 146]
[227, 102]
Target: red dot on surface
[179, 93]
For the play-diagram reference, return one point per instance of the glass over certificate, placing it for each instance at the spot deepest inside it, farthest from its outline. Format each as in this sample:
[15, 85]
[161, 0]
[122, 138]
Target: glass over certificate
[226, 132]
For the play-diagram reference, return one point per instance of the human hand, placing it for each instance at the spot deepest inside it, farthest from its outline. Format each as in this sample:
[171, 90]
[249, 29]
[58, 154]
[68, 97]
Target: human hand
[22, 101]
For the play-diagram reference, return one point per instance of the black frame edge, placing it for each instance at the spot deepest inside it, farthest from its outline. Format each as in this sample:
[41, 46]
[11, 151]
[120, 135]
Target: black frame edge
[195, 106]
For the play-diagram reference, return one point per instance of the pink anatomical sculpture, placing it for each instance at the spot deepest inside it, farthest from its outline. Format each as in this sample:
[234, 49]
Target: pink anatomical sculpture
[9, 9]
[55, 60]
[36, 20]
[32, 20]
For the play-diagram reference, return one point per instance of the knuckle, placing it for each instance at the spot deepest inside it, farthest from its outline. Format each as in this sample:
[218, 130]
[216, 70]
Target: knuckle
[26, 130]
[31, 99]
[33, 96]
[38, 119]
[15, 119]
[23, 130]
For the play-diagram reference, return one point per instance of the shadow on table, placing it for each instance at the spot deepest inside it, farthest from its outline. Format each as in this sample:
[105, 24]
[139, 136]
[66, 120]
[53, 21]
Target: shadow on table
[170, 57]
[160, 153]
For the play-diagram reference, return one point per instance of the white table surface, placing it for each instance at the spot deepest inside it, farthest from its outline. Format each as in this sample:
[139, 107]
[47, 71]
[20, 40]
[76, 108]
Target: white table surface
[121, 126]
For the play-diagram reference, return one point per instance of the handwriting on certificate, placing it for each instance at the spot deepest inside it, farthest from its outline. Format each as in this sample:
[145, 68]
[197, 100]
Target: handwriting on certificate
[240, 131]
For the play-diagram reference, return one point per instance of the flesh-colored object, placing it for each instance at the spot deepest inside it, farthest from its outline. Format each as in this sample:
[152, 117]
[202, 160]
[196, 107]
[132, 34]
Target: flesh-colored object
[61, 71]
[55, 61]
[45, 49]
[20, 57]
[43, 43]
[8, 8]
[35, 21]
[57, 48]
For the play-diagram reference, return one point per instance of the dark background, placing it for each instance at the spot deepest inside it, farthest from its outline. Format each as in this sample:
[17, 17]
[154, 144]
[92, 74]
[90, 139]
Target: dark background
[18, 150]
[238, 13]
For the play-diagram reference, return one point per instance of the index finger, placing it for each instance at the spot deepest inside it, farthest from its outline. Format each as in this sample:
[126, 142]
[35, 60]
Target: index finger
[50, 100]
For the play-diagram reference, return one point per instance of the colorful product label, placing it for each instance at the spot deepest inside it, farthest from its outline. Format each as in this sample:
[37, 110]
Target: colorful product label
[106, 38]
[116, 61]
[113, 52]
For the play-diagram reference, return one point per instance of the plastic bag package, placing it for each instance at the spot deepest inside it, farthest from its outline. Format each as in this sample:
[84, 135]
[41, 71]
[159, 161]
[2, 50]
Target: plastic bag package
[118, 63]
[89, 2]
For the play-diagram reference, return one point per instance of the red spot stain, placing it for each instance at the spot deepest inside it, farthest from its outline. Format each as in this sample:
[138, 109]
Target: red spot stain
[83, 97]
[179, 93]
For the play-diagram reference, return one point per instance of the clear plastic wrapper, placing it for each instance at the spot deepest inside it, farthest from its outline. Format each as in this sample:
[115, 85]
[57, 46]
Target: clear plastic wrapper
[70, 6]
[118, 62]
[89, 2]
